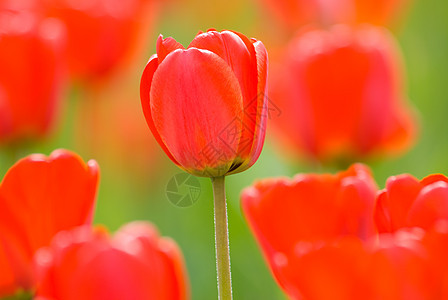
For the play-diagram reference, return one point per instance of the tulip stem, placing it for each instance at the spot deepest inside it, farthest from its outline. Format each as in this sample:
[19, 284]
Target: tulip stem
[222, 239]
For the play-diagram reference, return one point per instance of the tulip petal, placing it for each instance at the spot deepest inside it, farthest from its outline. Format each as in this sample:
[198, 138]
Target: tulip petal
[145, 87]
[135, 264]
[262, 109]
[40, 196]
[7, 285]
[401, 192]
[166, 46]
[238, 51]
[195, 100]
[430, 206]
[162, 254]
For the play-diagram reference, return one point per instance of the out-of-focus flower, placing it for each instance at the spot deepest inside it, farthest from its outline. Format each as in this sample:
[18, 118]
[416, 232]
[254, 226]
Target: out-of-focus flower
[31, 72]
[435, 242]
[206, 105]
[134, 264]
[102, 35]
[341, 95]
[316, 232]
[299, 215]
[408, 202]
[376, 12]
[294, 13]
[394, 268]
[40, 196]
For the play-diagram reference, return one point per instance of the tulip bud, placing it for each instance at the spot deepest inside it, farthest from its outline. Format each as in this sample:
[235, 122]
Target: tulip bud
[206, 105]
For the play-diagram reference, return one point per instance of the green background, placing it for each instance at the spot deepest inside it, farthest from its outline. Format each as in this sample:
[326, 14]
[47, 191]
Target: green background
[128, 194]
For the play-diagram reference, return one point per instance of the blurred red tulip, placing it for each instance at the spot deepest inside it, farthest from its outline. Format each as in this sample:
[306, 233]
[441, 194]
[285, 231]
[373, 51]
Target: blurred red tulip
[294, 13]
[31, 72]
[395, 268]
[300, 215]
[341, 95]
[376, 12]
[316, 232]
[407, 202]
[135, 264]
[206, 105]
[102, 34]
[39, 197]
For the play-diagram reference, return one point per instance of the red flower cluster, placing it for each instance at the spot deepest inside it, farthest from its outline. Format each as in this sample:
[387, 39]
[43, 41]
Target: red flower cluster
[42, 197]
[330, 237]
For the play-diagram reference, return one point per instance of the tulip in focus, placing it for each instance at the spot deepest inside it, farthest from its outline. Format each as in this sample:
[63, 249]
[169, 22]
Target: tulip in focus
[408, 202]
[31, 73]
[342, 95]
[206, 104]
[136, 263]
[40, 196]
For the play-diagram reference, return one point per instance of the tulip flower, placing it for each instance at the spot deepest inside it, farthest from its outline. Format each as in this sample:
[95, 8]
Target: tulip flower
[408, 202]
[317, 235]
[342, 95]
[136, 263]
[295, 13]
[31, 73]
[40, 196]
[102, 35]
[206, 107]
[297, 215]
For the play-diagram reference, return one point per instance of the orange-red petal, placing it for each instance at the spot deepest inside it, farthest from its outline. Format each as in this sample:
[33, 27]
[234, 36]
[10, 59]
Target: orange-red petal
[135, 264]
[195, 98]
[40, 196]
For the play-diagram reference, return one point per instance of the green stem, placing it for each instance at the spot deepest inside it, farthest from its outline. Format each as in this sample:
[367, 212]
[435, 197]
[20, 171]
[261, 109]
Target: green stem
[222, 240]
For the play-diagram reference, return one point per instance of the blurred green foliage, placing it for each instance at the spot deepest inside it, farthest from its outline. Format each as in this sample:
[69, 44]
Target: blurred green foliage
[124, 196]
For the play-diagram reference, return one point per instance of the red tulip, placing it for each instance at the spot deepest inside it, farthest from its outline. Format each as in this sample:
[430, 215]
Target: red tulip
[290, 217]
[294, 13]
[377, 12]
[206, 105]
[342, 95]
[407, 202]
[134, 264]
[39, 197]
[395, 268]
[102, 34]
[31, 74]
